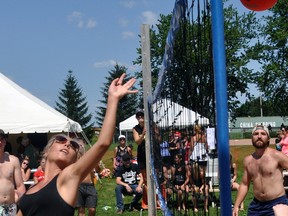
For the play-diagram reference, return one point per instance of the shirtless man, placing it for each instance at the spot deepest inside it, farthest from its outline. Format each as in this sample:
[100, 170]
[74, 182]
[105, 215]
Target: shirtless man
[87, 194]
[11, 183]
[264, 168]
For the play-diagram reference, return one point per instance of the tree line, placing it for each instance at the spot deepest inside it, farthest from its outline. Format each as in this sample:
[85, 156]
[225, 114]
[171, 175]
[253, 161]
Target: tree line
[190, 79]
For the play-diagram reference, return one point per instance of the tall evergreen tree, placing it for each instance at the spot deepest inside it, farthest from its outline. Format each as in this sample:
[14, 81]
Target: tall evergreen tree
[73, 104]
[127, 105]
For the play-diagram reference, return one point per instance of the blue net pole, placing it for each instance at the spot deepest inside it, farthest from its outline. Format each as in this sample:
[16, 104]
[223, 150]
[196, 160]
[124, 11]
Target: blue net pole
[219, 65]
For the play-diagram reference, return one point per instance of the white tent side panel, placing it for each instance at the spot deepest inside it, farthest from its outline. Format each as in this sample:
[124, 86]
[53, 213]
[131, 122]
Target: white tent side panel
[128, 124]
[21, 112]
[167, 113]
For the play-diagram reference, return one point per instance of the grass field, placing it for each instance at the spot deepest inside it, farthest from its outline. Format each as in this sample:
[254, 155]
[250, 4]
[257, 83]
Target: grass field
[106, 193]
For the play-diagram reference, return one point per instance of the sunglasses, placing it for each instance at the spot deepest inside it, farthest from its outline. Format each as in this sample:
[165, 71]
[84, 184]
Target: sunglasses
[25, 163]
[122, 139]
[63, 140]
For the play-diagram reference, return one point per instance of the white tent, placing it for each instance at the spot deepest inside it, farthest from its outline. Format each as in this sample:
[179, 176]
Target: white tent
[21, 112]
[167, 113]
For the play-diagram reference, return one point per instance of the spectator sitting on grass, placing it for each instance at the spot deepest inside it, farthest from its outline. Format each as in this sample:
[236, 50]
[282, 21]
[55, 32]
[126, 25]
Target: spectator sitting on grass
[127, 183]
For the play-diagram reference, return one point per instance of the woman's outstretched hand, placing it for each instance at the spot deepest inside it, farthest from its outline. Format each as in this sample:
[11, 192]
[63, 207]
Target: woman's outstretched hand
[119, 89]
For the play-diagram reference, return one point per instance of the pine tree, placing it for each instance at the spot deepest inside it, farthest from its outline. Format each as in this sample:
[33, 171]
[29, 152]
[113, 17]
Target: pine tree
[73, 104]
[127, 105]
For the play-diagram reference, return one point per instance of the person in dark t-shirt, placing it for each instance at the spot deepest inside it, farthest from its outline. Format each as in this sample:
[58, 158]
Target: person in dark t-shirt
[127, 182]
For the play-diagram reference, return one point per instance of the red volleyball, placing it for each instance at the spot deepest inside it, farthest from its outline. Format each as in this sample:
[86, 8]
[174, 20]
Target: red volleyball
[258, 5]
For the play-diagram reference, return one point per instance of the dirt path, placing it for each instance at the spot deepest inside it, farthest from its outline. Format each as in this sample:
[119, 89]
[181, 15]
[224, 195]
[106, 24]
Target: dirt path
[246, 142]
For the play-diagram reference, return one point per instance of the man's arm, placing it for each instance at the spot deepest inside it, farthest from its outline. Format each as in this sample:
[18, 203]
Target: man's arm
[140, 183]
[243, 190]
[19, 185]
[120, 182]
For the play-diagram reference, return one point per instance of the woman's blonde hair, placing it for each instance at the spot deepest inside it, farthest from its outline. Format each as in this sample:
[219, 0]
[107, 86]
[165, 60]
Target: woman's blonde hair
[197, 128]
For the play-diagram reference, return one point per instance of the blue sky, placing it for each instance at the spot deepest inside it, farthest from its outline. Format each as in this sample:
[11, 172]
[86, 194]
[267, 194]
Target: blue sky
[40, 41]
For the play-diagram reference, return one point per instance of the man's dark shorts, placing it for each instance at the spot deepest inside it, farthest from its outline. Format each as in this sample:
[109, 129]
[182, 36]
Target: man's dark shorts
[257, 208]
[87, 196]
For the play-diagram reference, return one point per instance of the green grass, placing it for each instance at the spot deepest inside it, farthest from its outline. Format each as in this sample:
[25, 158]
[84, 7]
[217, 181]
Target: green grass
[106, 193]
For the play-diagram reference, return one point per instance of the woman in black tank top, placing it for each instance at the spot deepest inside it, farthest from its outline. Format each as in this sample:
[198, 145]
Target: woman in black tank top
[56, 194]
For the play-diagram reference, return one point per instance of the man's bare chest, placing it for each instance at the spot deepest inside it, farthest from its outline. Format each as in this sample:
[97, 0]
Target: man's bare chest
[6, 170]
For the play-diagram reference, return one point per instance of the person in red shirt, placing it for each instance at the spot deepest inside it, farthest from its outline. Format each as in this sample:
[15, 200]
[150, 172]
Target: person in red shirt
[39, 174]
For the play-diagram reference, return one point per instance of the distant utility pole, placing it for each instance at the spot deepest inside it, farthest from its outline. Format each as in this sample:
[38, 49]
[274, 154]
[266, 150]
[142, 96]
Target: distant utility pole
[261, 110]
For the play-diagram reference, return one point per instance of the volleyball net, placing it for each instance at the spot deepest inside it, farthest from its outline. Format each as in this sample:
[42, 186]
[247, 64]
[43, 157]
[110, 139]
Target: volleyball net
[183, 101]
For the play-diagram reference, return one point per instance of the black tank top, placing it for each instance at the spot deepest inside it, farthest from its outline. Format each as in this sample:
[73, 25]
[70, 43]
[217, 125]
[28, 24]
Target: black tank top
[141, 155]
[120, 152]
[45, 202]
[180, 174]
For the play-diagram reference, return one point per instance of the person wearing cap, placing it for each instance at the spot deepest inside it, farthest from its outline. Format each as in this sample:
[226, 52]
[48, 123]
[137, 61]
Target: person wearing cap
[11, 183]
[127, 183]
[119, 151]
[139, 133]
[56, 194]
[264, 168]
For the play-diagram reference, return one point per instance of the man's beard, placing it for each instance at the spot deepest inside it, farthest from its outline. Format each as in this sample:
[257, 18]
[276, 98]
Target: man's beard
[260, 146]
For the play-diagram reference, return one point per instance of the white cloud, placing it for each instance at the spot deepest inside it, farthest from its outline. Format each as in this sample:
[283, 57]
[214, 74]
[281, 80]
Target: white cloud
[111, 63]
[150, 18]
[133, 68]
[127, 35]
[128, 3]
[91, 23]
[78, 18]
[74, 16]
[123, 22]
[105, 64]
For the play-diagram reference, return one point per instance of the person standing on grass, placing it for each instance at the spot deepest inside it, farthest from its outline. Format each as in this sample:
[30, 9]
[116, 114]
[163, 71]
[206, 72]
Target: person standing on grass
[87, 195]
[139, 133]
[264, 168]
[11, 183]
[119, 151]
[56, 194]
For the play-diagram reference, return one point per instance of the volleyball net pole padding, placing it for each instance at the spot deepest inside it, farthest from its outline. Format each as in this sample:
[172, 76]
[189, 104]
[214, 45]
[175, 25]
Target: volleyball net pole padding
[220, 79]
